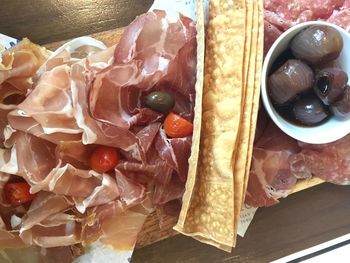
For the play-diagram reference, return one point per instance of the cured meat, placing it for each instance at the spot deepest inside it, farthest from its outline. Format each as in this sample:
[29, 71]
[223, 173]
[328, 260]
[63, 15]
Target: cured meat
[138, 67]
[341, 18]
[270, 176]
[270, 35]
[294, 12]
[329, 162]
[57, 108]
[279, 161]
[130, 192]
[94, 131]
[50, 103]
[21, 62]
[281, 15]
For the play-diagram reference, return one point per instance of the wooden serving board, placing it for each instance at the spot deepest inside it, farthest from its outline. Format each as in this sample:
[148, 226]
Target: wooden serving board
[154, 229]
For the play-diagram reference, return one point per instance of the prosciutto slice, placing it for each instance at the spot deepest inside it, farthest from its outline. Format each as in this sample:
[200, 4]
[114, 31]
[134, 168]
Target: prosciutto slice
[145, 54]
[329, 162]
[279, 161]
[21, 62]
[270, 176]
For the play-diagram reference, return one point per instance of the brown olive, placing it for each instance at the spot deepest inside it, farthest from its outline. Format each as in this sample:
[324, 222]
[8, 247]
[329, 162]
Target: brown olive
[317, 44]
[341, 108]
[160, 101]
[330, 84]
[309, 110]
[291, 78]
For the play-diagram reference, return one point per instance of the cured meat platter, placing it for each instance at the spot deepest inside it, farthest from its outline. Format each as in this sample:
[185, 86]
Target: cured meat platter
[163, 131]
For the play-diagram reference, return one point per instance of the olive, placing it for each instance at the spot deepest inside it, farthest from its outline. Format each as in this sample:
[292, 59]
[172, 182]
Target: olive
[309, 110]
[341, 108]
[160, 101]
[330, 84]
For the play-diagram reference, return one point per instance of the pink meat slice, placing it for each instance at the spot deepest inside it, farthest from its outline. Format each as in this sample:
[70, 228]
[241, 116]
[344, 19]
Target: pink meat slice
[95, 132]
[329, 162]
[297, 11]
[270, 35]
[50, 103]
[270, 176]
[20, 62]
[142, 58]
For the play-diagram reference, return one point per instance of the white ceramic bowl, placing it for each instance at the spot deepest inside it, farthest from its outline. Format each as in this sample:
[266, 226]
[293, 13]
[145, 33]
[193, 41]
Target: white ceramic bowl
[329, 131]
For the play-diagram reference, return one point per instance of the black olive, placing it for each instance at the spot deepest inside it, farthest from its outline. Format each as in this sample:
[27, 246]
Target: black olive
[160, 101]
[317, 44]
[341, 108]
[309, 110]
[330, 84]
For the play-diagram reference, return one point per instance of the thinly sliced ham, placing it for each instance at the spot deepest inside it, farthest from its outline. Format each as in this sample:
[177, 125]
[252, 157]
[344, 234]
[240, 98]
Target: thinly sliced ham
[270, 176]
[44, 205]
[21, 61]
[329, 162]
[115, 94]
[57, 230]
[50, 103]
[4, 178]
[151, 35]
[57, 109]
[10, 239]
[130, 192]
[175, 152]
[35, 157]
[94, 131]
[279, 161]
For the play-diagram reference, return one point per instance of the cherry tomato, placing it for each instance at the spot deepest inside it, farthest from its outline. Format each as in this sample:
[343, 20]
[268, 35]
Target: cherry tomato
[17, 193]
[104, 159]
[176, 127]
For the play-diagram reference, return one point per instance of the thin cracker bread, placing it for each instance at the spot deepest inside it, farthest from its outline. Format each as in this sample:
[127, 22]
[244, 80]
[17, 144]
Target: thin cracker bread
[193, 160]
[210, 215]
[256, 96]
[242, 157]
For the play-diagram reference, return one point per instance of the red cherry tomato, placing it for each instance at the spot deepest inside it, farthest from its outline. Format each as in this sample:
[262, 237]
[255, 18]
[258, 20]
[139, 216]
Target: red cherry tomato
[176, 127]
[17, 193]
[104, 159]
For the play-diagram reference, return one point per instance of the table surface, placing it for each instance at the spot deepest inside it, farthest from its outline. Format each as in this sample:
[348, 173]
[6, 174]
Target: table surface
[302, 220]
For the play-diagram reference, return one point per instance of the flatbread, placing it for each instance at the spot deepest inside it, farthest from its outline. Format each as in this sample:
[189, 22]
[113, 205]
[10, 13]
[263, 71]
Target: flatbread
[210, 215]
[256, 96]
[193, 160]
[249, 73]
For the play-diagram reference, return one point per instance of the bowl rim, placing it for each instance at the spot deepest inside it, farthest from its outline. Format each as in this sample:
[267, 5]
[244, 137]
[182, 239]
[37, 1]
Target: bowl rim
[274, 115]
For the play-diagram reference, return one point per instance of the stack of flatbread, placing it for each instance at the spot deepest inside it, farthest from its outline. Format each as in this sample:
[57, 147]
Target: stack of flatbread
[230, 53]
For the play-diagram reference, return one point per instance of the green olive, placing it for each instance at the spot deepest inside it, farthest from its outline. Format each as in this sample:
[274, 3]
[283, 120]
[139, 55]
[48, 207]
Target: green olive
[160, 101]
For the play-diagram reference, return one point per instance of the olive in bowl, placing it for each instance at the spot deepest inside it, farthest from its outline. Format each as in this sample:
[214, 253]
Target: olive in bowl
[330, 96]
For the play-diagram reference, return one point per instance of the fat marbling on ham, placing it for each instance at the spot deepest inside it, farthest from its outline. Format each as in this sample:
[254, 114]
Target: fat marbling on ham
[56, 109]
